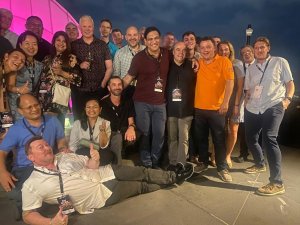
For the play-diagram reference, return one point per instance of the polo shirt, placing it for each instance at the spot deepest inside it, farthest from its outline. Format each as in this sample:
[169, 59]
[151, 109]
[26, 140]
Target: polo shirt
[211, 81]
[18, 135]
[146, 70]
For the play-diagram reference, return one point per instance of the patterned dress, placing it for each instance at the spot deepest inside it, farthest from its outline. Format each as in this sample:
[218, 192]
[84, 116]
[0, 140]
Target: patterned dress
[48, 79]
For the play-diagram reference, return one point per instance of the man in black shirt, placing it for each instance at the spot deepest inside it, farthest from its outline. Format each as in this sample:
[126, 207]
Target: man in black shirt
[180, 104]
[120, 113]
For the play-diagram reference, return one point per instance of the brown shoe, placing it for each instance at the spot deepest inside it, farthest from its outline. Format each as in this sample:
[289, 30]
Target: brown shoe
[225, 176]
[271, 189]
[255, 169]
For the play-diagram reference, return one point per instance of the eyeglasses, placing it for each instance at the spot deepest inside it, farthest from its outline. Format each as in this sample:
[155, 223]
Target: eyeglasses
[29, 108]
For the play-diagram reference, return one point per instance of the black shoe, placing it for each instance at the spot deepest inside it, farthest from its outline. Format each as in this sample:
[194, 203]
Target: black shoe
[200, 167]
[176, 168]
[184, 173]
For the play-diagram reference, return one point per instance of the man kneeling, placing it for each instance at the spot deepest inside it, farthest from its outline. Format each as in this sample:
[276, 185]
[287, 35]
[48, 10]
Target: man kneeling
[82, 184]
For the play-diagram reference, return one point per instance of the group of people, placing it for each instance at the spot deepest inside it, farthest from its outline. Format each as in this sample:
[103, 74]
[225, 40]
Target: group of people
[147, 90]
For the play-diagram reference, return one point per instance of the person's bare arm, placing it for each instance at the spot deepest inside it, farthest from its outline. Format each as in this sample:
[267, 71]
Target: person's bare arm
[108, 72]
[33, 217]
[239, 92]
[6, 178]
[130, 132]
[290, 90]
[127, 80]
[228, 91]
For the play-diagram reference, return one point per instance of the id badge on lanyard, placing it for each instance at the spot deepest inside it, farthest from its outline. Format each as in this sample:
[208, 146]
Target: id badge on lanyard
[176, 95]
[158, 86]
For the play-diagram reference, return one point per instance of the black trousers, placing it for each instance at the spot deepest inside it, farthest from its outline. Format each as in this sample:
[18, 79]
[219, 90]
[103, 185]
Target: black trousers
[131, 181]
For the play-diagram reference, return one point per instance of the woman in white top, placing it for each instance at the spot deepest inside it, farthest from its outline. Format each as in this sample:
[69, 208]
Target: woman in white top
[91, 129]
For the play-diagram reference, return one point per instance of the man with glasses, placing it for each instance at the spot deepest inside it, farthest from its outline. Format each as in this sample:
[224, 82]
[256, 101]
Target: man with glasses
[32, 124]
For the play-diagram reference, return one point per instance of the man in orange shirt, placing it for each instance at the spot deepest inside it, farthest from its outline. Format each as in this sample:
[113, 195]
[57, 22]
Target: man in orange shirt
[215, 80]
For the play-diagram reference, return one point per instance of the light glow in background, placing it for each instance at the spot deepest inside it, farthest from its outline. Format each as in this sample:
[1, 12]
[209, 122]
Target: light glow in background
[54, 16]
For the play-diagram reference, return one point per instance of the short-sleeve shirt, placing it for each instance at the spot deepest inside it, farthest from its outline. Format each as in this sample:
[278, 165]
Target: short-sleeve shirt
[146, 70]
[84, 186]
[276, 75]
[99, 52]
[211, 81]
[181, 77]
[18, 135]
[117, 115]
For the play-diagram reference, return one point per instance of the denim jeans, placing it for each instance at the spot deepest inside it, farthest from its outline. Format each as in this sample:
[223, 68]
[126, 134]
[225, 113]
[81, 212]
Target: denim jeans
[131, 181]
[151, 121]
[178, 138]
[206, 120]
[268, 124]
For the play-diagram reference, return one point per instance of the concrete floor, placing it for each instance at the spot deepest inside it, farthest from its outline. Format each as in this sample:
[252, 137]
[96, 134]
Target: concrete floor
[203, 200]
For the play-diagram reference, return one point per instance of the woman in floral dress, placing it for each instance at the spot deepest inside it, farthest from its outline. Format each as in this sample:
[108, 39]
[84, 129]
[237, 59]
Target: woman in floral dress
[60, 67]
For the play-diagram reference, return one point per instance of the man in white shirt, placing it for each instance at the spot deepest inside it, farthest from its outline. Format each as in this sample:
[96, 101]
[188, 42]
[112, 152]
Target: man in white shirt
[86, 185]
[269, 89]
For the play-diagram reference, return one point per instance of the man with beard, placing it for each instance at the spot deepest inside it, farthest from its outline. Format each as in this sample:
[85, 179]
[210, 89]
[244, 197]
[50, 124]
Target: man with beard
[120, 113]
[125, 55]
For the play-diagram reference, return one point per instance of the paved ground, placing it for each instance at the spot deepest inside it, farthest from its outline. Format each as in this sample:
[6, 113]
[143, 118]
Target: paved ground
[204, 200]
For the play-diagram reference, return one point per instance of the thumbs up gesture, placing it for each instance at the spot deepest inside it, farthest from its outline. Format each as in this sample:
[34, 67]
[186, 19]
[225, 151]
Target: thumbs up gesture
[94, 153]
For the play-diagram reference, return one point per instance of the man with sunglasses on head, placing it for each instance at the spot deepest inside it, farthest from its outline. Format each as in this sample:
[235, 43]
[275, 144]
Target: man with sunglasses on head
[33, 123]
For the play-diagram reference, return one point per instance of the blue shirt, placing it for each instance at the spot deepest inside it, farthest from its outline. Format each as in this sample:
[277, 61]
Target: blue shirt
[112, 48]
[18, 135]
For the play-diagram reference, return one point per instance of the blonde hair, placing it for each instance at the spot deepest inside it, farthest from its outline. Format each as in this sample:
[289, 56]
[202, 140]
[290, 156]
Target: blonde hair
[86, 17]
[231, 49]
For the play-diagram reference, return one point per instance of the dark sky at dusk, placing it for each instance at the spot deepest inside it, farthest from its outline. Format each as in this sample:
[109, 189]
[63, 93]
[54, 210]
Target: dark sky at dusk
[279, 20]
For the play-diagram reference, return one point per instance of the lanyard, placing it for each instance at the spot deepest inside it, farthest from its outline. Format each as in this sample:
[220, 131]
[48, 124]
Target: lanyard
[91, 130]
[30, 66]
[263, 71]
[34, 134]
[58, 173]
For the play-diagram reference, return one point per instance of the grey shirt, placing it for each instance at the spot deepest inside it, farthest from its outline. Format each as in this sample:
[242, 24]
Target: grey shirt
[277, 74]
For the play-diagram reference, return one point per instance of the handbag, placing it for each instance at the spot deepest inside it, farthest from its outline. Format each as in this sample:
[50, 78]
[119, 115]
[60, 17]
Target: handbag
[61, 94]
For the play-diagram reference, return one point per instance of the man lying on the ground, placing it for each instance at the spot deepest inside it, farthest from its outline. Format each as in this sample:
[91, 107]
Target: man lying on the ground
[79, 181]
